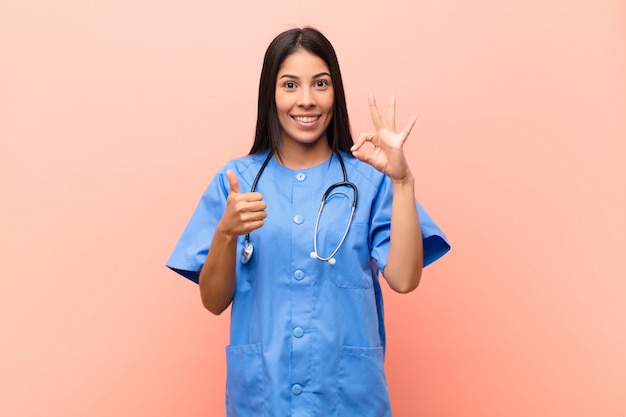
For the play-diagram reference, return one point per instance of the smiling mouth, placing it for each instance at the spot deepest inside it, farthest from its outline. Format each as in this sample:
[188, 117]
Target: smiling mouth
[306, 119]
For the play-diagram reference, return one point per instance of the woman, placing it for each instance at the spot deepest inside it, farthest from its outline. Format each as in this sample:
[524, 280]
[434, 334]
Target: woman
[295, 234]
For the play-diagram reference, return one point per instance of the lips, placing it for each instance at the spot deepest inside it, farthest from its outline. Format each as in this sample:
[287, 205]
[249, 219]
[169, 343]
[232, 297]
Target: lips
[306, 119]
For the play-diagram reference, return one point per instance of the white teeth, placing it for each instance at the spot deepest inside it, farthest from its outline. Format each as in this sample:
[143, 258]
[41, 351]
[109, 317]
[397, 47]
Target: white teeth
[306, 119]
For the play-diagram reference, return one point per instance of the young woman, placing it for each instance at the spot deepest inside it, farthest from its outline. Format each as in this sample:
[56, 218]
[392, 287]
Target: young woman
[295, 235]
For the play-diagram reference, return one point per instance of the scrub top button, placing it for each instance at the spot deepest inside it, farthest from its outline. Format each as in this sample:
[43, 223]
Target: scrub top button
[298, 275]
[300, 176]
[298, 332]
[296, 389]
[298, 219]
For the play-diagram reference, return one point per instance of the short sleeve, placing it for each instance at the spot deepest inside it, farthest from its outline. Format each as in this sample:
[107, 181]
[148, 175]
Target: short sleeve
[192, 248]
[434, 241]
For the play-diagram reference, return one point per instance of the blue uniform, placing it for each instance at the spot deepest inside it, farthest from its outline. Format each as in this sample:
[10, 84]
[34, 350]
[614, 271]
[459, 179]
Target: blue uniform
[307, 338]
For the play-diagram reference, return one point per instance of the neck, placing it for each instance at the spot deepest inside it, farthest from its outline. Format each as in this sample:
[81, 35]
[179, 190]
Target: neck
[302, 156]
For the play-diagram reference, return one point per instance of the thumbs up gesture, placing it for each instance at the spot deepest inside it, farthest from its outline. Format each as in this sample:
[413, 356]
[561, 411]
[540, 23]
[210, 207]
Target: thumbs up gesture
[244, 211]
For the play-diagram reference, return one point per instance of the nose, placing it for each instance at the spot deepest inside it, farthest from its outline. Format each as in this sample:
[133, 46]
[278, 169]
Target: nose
[306, 98]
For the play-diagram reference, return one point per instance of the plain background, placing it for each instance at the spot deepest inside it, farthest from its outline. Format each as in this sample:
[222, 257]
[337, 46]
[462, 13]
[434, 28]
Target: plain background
[115, 114]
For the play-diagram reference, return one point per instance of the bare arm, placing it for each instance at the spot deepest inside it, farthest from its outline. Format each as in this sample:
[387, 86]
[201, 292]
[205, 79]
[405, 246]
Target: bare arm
[244, 212]
[405, 259]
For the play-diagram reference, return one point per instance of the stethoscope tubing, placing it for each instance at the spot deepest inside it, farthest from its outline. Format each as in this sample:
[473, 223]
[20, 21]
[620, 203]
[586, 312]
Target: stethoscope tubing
[248, 249]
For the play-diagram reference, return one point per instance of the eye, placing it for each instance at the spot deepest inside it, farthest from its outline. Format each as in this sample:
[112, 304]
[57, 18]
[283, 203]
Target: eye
[290, 85]
[321, 83]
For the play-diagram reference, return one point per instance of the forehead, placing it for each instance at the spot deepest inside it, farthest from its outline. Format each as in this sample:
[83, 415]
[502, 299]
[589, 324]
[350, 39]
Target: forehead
[303, 63]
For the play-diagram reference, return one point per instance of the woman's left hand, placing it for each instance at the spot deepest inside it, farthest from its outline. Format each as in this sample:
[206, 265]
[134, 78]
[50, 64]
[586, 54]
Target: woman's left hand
[387, 155]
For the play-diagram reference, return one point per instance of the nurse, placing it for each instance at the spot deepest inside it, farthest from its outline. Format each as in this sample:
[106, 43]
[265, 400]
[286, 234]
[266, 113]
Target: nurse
[307, 334]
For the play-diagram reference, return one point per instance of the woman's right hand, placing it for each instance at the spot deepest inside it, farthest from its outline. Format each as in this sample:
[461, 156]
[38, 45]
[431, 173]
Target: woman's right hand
[244, 212]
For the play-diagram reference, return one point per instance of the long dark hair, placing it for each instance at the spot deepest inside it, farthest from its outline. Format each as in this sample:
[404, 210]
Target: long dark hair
[267, 126]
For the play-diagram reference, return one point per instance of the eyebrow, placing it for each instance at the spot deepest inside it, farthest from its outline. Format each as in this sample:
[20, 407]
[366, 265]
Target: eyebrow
[295, 77]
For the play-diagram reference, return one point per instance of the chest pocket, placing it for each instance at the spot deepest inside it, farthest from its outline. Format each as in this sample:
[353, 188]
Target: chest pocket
[352, 268]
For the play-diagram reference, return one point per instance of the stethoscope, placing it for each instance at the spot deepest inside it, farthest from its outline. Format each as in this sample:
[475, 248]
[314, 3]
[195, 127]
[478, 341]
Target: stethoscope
[248, 248]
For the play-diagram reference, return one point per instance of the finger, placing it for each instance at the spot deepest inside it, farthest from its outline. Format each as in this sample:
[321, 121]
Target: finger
[256, 206]
[250, 197]
[253, 225]
[360, 141]
[407, 129]
[391, 114]
[233, 181]
[252, 216]
[376, 119]
[356, 150]
[362, 156]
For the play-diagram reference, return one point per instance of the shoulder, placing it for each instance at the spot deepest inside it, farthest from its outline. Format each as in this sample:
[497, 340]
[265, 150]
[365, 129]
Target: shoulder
[246, 164]
[246, 168]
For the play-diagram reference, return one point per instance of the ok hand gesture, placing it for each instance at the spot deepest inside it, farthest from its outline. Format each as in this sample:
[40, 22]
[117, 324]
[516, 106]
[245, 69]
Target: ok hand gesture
[388, 155]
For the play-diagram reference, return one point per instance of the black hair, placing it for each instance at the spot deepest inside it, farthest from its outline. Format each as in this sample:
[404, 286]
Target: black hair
[267, 125]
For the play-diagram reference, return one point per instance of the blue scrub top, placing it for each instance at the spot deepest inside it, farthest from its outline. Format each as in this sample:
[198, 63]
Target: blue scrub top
[307, 338]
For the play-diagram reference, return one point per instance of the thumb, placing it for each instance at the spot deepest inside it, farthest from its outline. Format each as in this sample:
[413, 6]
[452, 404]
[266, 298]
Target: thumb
[234, 182]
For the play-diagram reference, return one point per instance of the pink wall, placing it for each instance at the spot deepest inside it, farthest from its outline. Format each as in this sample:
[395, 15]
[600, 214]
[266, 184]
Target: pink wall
[115, 114]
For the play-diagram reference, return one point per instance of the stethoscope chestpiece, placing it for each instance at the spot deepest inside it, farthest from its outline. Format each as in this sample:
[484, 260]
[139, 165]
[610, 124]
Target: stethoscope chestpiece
[331, 261]
[246, 253]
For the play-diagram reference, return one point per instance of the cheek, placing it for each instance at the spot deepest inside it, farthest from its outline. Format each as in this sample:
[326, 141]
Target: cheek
[280, 100]
[329, 118]
[330, 111]
[283, 105]
[330, 102]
